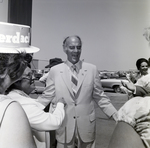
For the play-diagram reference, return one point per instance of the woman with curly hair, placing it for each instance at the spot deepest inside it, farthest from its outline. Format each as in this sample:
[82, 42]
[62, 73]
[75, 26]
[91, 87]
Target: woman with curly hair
[15, 130]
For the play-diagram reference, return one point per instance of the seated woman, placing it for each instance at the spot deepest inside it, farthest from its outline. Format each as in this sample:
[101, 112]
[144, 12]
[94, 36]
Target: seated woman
[135, 134]
[133, 128]
[15, 130]
[142, 81]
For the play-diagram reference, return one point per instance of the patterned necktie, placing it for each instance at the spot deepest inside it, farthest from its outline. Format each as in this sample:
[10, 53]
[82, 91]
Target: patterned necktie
[74, 79]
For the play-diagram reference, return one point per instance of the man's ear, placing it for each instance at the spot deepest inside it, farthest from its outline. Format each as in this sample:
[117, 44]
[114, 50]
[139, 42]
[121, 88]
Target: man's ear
[64, 49]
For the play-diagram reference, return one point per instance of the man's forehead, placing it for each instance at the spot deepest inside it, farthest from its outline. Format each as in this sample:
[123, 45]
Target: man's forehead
[73, 40]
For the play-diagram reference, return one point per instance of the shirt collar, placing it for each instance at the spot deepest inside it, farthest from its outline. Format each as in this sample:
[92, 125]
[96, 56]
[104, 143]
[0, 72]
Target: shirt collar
[21, 92]
[78, 65]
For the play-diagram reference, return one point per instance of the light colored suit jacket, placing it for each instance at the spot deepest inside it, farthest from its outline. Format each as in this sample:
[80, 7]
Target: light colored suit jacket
[79, 110]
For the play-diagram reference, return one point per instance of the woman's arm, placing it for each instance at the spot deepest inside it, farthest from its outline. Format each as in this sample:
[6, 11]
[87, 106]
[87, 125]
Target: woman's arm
[135, 89]
[15, 130]
[45, 121]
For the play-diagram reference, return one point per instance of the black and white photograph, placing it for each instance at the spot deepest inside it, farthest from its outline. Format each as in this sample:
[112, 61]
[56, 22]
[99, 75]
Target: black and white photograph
[74, 74]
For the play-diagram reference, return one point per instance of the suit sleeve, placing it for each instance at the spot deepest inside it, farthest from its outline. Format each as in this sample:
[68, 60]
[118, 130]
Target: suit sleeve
[49, 92]
[100, 97]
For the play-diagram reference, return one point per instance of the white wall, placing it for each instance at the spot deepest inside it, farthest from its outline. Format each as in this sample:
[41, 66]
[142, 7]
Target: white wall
[111, 30]
[3, 10]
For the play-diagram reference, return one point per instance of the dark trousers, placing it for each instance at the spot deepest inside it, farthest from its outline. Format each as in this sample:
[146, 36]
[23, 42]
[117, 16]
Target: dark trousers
[53, 141]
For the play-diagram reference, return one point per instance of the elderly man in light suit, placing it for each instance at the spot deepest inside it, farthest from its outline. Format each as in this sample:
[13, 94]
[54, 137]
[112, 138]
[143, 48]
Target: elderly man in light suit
[80, 87]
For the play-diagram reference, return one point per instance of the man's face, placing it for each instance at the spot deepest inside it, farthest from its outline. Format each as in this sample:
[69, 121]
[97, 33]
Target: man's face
[73, 49]
[27, 83]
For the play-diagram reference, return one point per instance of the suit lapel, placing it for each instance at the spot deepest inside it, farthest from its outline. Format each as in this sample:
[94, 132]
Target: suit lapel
[81, 77]
[66, 77]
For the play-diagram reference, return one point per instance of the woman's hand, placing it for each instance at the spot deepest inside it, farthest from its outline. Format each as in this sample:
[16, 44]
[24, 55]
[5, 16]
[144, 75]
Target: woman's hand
[129, 85]
[62, 101]
[143, 125]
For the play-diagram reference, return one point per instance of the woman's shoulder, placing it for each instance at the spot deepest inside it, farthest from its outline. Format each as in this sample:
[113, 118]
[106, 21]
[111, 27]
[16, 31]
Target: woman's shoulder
[10, 109]
[12, 106]
[4, 99]
[14, 122]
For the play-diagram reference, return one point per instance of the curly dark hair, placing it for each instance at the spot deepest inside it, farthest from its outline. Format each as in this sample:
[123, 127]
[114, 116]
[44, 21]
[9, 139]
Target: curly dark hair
[12, 64]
